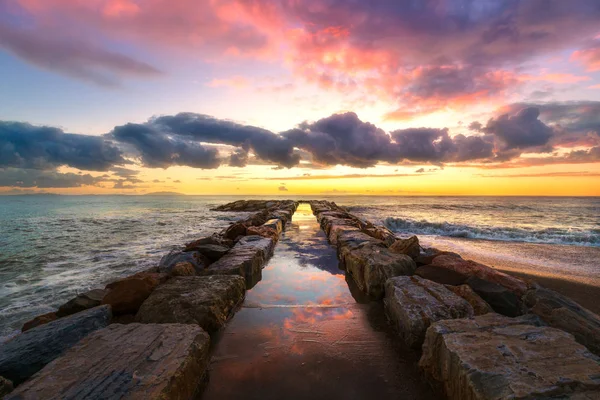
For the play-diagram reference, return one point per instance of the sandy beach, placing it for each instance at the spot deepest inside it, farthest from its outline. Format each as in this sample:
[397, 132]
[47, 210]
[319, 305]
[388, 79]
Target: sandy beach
[570, 270]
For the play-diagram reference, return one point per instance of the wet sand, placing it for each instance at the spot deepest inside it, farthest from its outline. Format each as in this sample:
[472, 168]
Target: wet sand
[571, 270]
[305, 332]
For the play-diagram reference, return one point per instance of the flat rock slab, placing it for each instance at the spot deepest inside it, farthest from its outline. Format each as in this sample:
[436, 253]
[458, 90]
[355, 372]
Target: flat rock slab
[475, 269]
[136, 361]
[208, 301]
[413, 303]
[27, 353]
[563, 313]
[496, 357]
[372, 266]
[246, 259]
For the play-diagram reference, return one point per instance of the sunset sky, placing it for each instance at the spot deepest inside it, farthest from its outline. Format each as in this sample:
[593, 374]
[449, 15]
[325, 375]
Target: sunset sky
[286, 97]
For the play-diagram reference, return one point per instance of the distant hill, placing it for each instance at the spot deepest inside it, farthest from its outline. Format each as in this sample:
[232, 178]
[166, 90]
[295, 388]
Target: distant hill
[164, 194]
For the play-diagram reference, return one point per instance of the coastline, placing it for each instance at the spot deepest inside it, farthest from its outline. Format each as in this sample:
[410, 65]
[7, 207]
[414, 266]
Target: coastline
[569, 270]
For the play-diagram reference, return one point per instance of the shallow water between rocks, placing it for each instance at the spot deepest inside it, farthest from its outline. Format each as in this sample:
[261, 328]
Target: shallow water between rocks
[304, 331]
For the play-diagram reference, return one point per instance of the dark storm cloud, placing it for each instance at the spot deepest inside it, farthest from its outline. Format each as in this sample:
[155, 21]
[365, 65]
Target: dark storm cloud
[26, 178]
[161, 149]
[175, 140]
[520, 131]
[238, 158]
[341, 139]
[40, 147]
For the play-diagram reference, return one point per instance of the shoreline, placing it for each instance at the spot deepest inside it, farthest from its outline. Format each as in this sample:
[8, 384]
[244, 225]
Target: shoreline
[569, 270]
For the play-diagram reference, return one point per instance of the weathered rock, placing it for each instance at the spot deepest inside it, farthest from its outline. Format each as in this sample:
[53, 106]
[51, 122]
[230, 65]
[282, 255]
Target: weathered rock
[274, 224]
[235, 230]
[494, 357]
[127, 295]
[480, 307]
[372, 266]
[327, 222]
[83, 301]
[246, 259]
[502, 300]
[176, 256]
[39, 320]
[6, 387]
[208, 301]
[334, 214]
[183, 269]
[284, 216]
[382, 233]
[472, 268]
[441, 275]
[336, 230]
[563, 313]
[349, 240]
[27, 353]
[211, 251]
[126, 362]
[413, 303]
[430, 253]
[409, 246]
[213, 239]
[263, 231]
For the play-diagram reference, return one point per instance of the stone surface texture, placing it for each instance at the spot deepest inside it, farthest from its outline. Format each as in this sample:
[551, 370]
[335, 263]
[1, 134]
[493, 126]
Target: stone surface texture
[409, 246]
[27, 353]
[479, 305]
[495, 357]
[413, 303]
[83, 301]
[127, 295]
[39, 320]
[137, 361]
[208, 301]
[372, 266]
[563, 313]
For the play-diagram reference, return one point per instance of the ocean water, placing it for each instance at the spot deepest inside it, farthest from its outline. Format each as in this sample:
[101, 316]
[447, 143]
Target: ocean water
[52, 247]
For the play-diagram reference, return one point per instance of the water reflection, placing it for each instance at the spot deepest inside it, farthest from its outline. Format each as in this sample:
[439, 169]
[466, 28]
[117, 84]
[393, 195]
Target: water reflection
[301, 333]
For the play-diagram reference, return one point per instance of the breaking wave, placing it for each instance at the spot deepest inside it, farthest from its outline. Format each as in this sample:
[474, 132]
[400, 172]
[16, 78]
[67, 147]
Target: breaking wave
[503, 233]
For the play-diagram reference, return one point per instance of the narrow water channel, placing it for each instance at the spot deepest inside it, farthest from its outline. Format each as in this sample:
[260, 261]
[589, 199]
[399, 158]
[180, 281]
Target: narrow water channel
[301, 334]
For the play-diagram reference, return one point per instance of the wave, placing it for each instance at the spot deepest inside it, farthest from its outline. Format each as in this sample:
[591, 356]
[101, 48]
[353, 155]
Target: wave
[502, 233]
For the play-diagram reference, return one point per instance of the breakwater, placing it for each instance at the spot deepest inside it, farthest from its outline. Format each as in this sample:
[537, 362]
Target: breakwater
[480, 334]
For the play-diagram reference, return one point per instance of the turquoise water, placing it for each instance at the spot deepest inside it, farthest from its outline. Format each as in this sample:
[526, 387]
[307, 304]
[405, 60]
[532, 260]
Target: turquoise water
[52, 247]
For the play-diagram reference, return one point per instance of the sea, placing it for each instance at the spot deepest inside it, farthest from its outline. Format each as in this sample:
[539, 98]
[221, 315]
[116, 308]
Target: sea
[53, 247]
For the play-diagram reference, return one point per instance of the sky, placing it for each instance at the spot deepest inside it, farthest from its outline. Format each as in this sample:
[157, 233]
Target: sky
[299, 97]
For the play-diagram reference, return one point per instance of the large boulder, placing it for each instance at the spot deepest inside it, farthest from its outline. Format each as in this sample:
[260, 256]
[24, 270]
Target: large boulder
[409, 246]
[348, 240]
[213, 239]
[183, 269]
[495, 357]
[336, 230]
[563, 313]
[479, 305]
[133, 361]
[235, 230]
[501, 299]
[428, 254]
[382, 233]
[174, 257]
[274, 224]
[81, 302]
[208, 301]
[212, 252]
[127, 295]
[27, 353]
[246, 259]
[441, 275]
[413, 303]
[264, 231]
[39, 320]
[472, 268]
[372, 266]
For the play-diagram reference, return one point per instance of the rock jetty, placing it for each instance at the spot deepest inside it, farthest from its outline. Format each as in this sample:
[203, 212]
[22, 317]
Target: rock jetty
[481, 334]
[146, 336]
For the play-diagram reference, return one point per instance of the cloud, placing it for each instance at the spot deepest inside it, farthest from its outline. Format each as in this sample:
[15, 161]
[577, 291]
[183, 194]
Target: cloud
[520, 131]
[24, 145]
[124, 172]
[238, 158]
[28, 178]
[283, 189]
[65, 55]
[420, 170]
[589, 57]
[545, 175]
